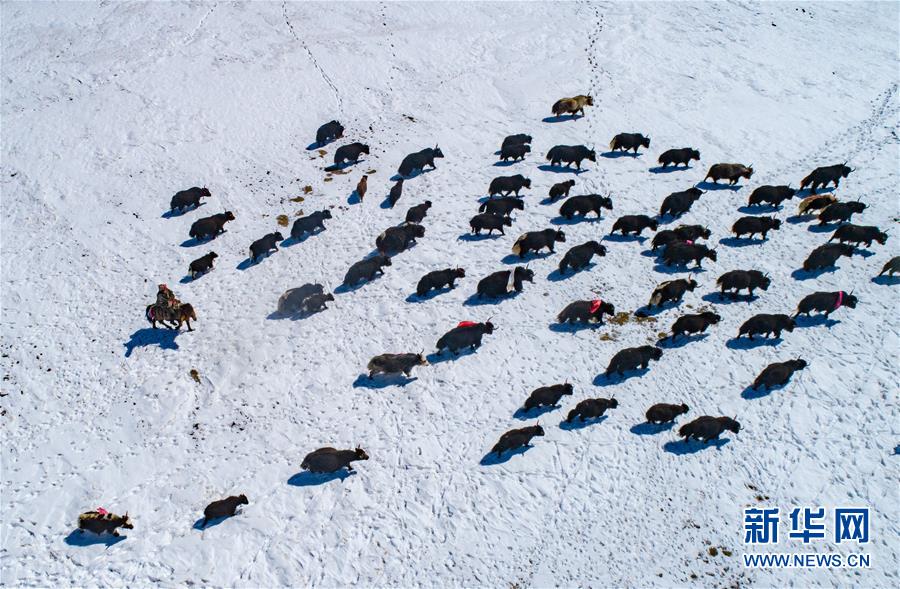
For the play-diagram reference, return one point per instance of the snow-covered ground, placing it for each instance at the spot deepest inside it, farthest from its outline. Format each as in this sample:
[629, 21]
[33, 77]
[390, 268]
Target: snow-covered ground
[109, 108]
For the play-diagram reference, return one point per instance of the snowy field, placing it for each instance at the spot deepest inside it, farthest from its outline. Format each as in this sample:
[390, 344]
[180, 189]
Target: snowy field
[109, 108]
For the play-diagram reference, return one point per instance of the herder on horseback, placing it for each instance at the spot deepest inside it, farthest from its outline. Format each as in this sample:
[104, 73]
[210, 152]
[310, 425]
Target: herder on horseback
[168, 309]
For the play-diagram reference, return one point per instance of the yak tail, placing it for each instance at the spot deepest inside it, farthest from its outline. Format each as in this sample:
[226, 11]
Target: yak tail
[656, 299]
[805, 181]
[557, 106]
[614, 143]
[483, 206]
[517, 247]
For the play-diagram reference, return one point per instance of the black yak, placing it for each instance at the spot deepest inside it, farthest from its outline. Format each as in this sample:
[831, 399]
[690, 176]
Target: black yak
[188, 198]
[101, 521]
[738, 280]
[505, 185]
[417, 213]
[570, 154]
[350, 153]
[420, 159]
[766, 324]
[826, 255]
[572, 105]
[754, 225]
[730, 172]
[498, 284]
[632, 358]
[778, 373]
[629, 141]
[489, 221]
[840, 212]
[223, 508]
[772, 195]
[591, 409]
[692, 232]
[824, 176]
[398, 239]
[395, 193]
[584, 204]
[825, 302]
[514, 152]
[516, 438]
[547, 396]
[665, 238]
[690, 324]
[438, 280]
[859, 234]
[585, 312]
[293, 300]
[366, 269]
[579, 256]
[329, 132]
[202, 264]
[210, 226]
[679, 254]
[264, 245]
[537, 240]
[465, 335]
[678, 156]
[395, 364]
[665, 412]
[815, 202]
[315, 303]
[891, 267]
[502, 206]
[706, 428]
[634, 224]
[328, 460]
[560, 189]
[671, 290]
[519, 139]
[678, 203]
[310, 223]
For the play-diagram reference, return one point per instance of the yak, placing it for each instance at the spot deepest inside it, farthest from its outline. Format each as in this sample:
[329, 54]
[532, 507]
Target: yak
[679, 156]
[737, 280]
[560, 189]
[315, 303]
[840, 212]
[825, 302]
[223, 508]
[826, 255]
[366, 269]
[706, 428]
[395, 193]
[438, 280]
[690, 324]
[730, 172]
[671, 290]
[584, 204]
[572, 105]
[547, 396]
[586, 312]
[505, 185]
[537, 240]
[202, 264]
[634, 224]
[514, 152]
[824, 176]
[350, 153]
[329, 132]
[579, 256]
[891, 266]
[264, 245]
[632, 358]
[310, 223]
[395, 364]
[778, 373]
[188, 198]
[772, 195]
[328, 460]
[362, 186]
[570, 154]
[679, 254]
[398, 239]
[293, 300]
[489, 221]
[516, 438]
[629, 141]
[816, 202]
[692, 232]
[859, 234]
[420, 159]
[210, 226]
[519, 139]
[591, 409]
[417, 213]
[502, 206]
[665, 412]
[497, 284]
[766, 324]
[664, 238]
[101, 521]
[754, 225]
[465, 335]
[678, 203]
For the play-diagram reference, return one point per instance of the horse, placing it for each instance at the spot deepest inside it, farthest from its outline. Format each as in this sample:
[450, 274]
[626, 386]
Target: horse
[183, 313]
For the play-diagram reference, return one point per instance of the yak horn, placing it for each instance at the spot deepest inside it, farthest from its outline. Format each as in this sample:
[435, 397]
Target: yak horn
[750, 166]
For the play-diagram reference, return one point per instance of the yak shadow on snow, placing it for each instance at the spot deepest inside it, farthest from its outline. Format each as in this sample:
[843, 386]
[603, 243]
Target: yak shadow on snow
[194, 242]
[291, 240]
[682, 447]
[801, 274]
[343, 165]
[651, 429]
[312, 479]
[648, 311]
[561, 118]
[680, 341]
[491, 458]
[559, 220]
[826, 228]
[797, 219]
[617, 154]
[577, 424]
[162, 337]
[886, 280]
[198, 525]
[382, 381]
[557, 327]
[557, 276]
[354, 199]
[415, 174]
[561, 169]
[619, 238]
[716, 297]
[506, 164]
[663, 269]
[759, 209]
[745, 343]
[669, 169]
[446, 356]
[534, 412]
[815, 321]
[173, 213]
[531, 256]
[750, 393]
[433, 293]
[477, 301]
[80, 538]
[469, 236]
[298, 316]
[801, 194]
[741, 241]
[601, 380]
[714, 186]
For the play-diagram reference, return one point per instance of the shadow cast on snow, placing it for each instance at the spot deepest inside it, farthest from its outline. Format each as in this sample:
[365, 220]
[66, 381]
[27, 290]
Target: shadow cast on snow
[162, 337]
[446, 356]
[469, 236]
[531, 256]
[577, 423]
[78, 537]
[664, 269]
[561, 118]
[669, 169]
[491, 458]
[651, 429]
[741, 241]
[173, 214]
[715, 186]
[534, 412]
[750, 393]
[716, 297]
[601, 380]
[561, 169]
[885, 280]
[680, 341]
[801, 274]
[617, 154]
[682, 447]
[620, 238]
[745, 343]
[557, 327]
[312, 479]
[431, 294]
[382, 381]
[477, 301]
[558, 220]
[557, 276]
[815, 321]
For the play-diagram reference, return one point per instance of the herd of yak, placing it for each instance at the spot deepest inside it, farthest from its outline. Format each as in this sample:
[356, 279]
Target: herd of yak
[676, 247]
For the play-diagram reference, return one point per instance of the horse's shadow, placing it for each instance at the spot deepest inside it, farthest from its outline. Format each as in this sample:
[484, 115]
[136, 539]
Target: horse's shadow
[382, 381]
[622, 238]
[602, 380]
[741, 241]
[491, 458]
[885, 280]
[534, 412]
[175, 213]
[312, 479]
[815, 321]
[716, 186]
[561, 118]
[683, 447]
[668, 169]
[162, 337]
[716, 297]
[78, 537]
[679, 342]
[745, 343]
[651, 429]
[801, 274]
[561, 169]
[617, 154]
[577, 423]
[560, 220]
[447, 356]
